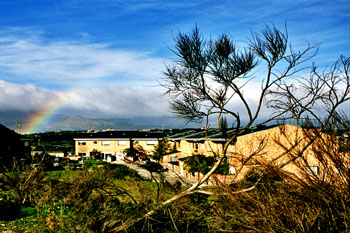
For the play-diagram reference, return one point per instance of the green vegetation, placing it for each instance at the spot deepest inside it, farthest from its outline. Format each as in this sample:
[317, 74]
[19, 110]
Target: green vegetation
[203, 164]
[161, 149]
[136, 152]
[71, 201]
[100, 199]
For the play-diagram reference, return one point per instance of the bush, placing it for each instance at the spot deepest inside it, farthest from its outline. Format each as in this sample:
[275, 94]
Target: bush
[154, 167]
[280, 204]
[120, 172]
[28, 211]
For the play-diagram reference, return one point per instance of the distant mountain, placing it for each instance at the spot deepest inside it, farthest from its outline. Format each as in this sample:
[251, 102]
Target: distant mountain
[150, 122]
[70, 122]
[73, 122]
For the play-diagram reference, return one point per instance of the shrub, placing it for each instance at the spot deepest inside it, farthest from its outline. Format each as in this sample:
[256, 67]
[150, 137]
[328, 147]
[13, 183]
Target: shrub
[120, 172]
[28, 211]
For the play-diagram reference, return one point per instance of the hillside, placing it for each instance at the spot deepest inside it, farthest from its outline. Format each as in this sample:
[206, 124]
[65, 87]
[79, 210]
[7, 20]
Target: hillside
[73, 122]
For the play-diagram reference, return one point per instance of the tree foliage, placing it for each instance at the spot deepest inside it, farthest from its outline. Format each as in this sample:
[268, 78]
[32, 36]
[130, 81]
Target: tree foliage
[203, 164]
[161, 149]
[136, 152]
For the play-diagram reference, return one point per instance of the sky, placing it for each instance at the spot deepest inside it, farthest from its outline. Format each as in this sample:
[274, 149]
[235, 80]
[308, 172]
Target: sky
[104, 58]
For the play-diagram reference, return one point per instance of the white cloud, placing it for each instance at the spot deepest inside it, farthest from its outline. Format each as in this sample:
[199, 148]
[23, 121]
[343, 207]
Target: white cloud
[28, 53]
[103, 101]
[107, 101]
[25, 97]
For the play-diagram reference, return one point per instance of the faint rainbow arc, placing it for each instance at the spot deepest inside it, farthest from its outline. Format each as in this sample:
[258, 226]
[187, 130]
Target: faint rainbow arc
[42, 116]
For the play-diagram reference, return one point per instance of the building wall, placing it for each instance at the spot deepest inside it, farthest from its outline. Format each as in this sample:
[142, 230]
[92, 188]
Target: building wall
[207, 147]
[281, 146]
[188, 148]
[56, 154]
[147, 145]
[284, 146]
[113, 146]
[106, 145]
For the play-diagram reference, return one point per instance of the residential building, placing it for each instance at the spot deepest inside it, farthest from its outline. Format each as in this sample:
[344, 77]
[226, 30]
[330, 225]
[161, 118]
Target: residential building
[285, 146]
[53, 150]
[194, 142]
[110, 145]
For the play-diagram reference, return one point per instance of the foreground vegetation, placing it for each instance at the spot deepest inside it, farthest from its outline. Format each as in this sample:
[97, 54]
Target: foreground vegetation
[100, 200]
[73, 201]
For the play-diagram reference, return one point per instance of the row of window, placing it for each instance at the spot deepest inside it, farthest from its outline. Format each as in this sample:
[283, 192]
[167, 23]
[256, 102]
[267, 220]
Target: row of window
[102, 153]
[195, 147]
[120, 143]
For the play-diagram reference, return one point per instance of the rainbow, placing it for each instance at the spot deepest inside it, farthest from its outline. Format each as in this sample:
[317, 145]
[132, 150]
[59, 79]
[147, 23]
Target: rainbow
[42, 116]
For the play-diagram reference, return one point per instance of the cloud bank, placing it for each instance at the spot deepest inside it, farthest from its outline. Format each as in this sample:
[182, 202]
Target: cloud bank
[105, 101]
[25, 97]
[116, 101]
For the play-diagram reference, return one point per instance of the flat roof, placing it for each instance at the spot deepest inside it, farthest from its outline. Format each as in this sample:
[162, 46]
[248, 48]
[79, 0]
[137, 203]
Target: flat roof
[121, 135]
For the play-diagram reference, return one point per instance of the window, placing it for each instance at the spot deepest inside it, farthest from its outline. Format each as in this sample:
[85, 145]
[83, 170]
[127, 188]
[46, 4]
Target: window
[95, 142]
[232, 170]
[81, 153]
[151, 142]
[173, 159]
[121, 143]
[81, 143]
[105, 143]
[312, 170]
[195, 147]
[26, 143]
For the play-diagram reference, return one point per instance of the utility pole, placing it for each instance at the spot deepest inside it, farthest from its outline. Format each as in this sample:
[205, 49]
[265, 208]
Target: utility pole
[17, 126]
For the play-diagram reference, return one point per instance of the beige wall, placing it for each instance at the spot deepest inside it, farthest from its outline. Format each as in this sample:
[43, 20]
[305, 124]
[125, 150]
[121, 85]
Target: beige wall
[188, 148]
[191, 147]
[286, 146]
[116, 146]
[147, 145]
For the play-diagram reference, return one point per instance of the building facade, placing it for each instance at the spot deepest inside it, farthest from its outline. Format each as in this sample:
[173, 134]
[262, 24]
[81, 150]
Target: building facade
[110, 145]
[286, 146]
[53, 150]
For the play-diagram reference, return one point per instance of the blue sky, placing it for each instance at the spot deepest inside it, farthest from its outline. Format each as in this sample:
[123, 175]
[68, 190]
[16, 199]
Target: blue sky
[105, 56]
